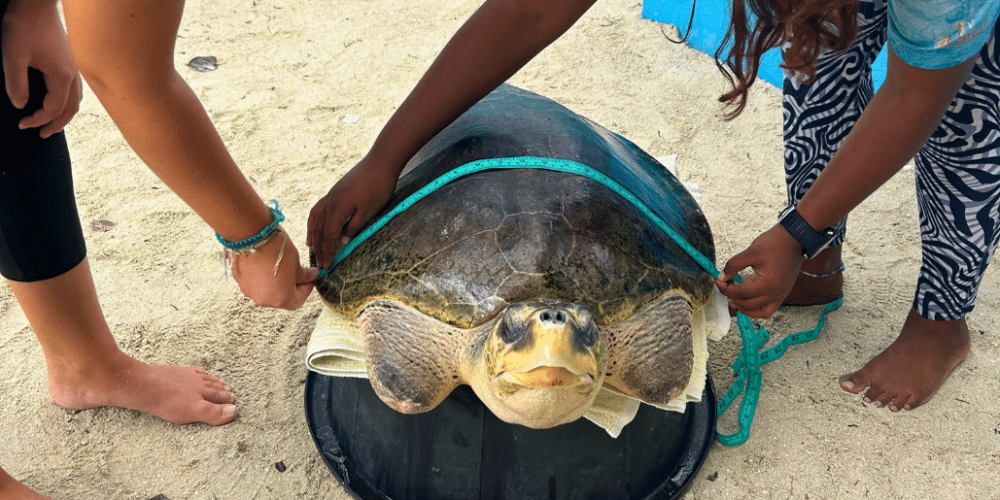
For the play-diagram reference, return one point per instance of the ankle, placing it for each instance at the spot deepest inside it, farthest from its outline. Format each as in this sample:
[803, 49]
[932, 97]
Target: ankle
[828, 262]
[820, 280]
[75, 386]
[952, 334]
[840, 269]
[88, 366]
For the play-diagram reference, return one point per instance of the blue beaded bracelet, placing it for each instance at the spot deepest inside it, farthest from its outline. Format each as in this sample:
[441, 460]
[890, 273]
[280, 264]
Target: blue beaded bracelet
[276, 218]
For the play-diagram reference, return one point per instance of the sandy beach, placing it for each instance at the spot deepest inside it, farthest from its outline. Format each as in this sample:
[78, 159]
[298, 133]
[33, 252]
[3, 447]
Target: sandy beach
[302, 89]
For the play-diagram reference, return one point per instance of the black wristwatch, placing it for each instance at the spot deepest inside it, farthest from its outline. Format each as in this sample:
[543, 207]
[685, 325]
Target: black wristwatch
[813, 242]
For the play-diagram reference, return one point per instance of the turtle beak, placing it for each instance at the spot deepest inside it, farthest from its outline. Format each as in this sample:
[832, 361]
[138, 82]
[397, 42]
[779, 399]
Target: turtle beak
[554, 352]
[548, 377]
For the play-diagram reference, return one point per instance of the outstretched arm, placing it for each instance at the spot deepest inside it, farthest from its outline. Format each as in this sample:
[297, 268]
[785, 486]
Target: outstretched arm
[900, 118]
[499, 39]
[125, 49]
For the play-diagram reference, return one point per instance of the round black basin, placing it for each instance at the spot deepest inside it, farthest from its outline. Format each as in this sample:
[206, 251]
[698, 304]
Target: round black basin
[460, 451]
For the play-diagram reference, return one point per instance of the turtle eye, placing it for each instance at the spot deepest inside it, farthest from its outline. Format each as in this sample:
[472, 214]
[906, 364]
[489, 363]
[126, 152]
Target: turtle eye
[511, 329]
[587, 334]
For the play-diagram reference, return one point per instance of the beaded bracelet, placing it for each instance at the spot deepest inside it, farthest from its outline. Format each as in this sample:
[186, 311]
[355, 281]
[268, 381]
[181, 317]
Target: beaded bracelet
[252, 244]
[256, 241]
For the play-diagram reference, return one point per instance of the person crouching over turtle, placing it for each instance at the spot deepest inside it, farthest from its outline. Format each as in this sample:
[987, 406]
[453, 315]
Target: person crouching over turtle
[42, 250]
[939, 102]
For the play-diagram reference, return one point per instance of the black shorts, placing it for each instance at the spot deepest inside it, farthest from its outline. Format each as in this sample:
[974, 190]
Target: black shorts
[40, 232]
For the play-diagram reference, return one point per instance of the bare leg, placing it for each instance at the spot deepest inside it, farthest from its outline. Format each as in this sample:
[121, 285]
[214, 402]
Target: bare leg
[906, 374]
[10, 489]
[86, 369]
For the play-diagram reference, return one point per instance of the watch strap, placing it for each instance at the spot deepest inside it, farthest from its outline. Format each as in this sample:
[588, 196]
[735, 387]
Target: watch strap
[813, 242]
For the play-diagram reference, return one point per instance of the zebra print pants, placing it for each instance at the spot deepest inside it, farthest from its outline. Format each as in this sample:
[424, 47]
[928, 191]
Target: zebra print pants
[957, 170]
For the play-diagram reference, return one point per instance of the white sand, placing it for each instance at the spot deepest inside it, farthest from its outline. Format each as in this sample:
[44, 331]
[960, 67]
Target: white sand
[291, 70]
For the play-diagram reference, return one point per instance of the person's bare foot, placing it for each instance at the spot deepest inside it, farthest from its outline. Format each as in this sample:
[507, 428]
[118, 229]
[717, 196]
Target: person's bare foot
[179, 394]
[10, 489]
[906, 374]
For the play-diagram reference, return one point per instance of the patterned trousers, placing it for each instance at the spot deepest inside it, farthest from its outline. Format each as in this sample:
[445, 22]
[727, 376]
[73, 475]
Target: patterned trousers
[957, 170]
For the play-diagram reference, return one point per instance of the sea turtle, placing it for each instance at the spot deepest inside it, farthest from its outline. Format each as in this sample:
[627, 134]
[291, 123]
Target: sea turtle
[535, 287]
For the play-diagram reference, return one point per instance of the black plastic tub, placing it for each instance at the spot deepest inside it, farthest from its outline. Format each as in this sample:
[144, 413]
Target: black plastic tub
[461, 451]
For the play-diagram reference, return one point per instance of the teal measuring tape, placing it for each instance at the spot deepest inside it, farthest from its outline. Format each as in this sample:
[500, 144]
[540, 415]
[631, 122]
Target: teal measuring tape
[746, 367]
[523, 162]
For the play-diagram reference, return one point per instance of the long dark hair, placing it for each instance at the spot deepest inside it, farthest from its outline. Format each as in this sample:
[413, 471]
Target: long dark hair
[809, 26]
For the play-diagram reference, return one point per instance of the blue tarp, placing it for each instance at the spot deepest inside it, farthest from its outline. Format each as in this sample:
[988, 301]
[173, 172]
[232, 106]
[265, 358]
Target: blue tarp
[710, 22]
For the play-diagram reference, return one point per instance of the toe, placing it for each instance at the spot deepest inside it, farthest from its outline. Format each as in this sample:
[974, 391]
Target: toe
[227, 413]
[853, 383]
[219, 386]
[211, 379]
[885, 399]
[219, 396]
[873, 394]
[900, 403]
[916, 400]
[212, 414]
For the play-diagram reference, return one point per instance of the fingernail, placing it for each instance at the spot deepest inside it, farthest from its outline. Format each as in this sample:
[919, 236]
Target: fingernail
[344, 240]
[19, 106]
[229, 410]
[228, 396]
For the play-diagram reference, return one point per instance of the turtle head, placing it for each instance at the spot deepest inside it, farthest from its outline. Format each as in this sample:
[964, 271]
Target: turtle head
[542, 364]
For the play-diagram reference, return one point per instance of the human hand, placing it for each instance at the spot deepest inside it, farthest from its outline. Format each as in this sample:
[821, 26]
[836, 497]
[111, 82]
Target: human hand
[288, 287]
[33, 36]
[348, 207]
[775, 258]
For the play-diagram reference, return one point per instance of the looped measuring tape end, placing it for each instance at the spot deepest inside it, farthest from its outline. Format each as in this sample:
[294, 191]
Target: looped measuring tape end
[751, 359]
[747, 367]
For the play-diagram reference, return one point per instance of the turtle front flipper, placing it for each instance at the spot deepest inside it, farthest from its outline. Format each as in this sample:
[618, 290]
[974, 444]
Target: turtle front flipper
[412, 358]
[651, 354]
